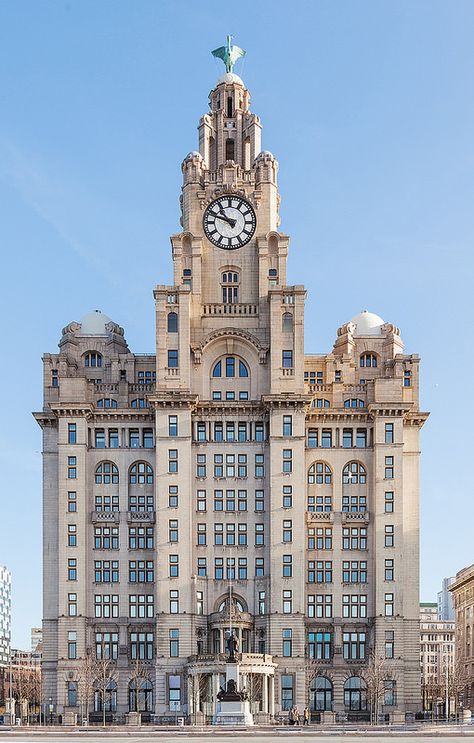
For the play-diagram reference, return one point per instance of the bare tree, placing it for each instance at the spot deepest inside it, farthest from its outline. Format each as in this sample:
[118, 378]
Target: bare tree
[313, 668]
[432, 691]
[86, 677]
[141, 675]
[375, 675]
[105, 675]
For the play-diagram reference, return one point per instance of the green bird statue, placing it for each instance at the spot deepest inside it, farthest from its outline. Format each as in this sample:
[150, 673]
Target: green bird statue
[229, 54]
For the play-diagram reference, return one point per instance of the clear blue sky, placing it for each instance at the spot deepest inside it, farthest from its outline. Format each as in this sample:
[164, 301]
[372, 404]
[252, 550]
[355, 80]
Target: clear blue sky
[369, 108]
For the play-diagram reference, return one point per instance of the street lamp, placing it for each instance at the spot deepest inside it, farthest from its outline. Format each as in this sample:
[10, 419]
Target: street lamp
[51, 710]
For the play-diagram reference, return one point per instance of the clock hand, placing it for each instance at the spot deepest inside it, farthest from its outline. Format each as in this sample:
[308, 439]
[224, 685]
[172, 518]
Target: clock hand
[232, 222]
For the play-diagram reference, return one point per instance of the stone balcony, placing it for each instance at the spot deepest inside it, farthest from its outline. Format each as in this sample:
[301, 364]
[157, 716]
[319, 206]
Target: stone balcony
[230, 309]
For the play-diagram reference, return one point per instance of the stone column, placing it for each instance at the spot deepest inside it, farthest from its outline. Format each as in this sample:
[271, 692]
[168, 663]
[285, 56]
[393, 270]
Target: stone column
[265, 694]
[191, 709]
[272, 695]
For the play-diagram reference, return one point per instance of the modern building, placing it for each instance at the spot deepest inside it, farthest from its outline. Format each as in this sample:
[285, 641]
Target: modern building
[445, 601]
[227, 482]
[36, 639]
[5, 614]
[463, 599]
[437, 659]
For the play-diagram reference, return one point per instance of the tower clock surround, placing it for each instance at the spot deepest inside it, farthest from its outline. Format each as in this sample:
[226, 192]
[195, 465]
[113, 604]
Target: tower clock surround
[229, 222]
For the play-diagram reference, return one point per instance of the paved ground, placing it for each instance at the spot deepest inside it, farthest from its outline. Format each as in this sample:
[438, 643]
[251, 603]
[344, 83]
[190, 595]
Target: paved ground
[282, 735]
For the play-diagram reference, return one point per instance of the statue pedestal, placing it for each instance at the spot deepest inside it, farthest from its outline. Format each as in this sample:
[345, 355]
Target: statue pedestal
[233, 709]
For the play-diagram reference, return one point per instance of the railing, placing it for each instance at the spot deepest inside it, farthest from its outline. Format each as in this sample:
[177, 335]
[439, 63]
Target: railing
[110, 516]
[288, 372]
[320, 516]
[106, 387]
[355, 516]
[141, 387]
[172, 371]
[148, 516]
[230, 309]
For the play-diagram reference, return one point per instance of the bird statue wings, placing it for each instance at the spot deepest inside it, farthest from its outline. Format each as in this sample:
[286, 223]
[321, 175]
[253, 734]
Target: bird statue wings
[229, 54]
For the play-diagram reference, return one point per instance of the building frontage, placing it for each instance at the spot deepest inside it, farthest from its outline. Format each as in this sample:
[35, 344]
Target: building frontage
[462, 590]
[445, 601]
[5, 631]
[227, 482]
[437, 660]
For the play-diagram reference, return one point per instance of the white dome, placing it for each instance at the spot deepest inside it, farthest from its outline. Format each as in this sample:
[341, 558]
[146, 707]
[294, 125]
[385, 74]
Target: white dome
[94, 323]
[367, 323]
[230, 77]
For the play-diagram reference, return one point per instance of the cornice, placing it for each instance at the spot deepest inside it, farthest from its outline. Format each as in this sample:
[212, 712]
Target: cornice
[262, 348]
[415, 418]
[72, 409]
[45, 419]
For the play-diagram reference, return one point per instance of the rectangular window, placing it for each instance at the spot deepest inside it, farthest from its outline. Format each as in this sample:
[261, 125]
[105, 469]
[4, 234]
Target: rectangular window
[319, 645]
[389, 468]
[54, 378]
[72, 501]
[230, 395]
[202, 567]
[113, 438]
[389, 643]
[361, 438]
[287, 463]
[174, 602]
[242, 500]
[287, 425]
[199, 602]
[287, 531]
[141, 645]
[287, 566]
[173, 425]
[242, 465]
[242, 535]
[230, 431]
[287, 650]
[259, 567]
[148, 441]
[320, 538]
[218, 500]
[218, 534]
[173, 566]
[99, 438]
[389, 535]
[230, 568]
[174, 691]
[354, 571]
[173, 534]
[72, 569]
[389, 604]
[287, 696]
[242, 432]
[173, 496]
[287, 496]
[106, 645]
[389, 571]
[219, 568]
[106, 606]
[326, 438]
[230, 535]
[338, 376]
[72, 604]
[407, 378]
[201, 500]
[200, 465]
[72, 645]
[201, 534]
[389, 501]
[259, 535]
[71, 468]
[354, 538]
[287, 602]
[230, 465]
[141, 571]
[71, 433]
[218, 432]
[174, 643]
[347, 438]
[354, 645]
[287, 359]
[201, 431]
[390, 697]
[259, 432]
[261, 602]
[173, 461]
[319, 606]
[354, 606]
[313, 438]
[389, 433]
[134, 438]
[242, 568]
[72, 535]
[259, 465]
[173, 359]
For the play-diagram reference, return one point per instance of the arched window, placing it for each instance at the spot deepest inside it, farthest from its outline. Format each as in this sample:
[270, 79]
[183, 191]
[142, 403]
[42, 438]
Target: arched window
[230, 287]
[231, 368]
[287, 322]
[319, 473]
[237, 603]
[230, 149]
[354, 473]
[110, 701]
[141, 473]
[106, 474]
[139, 402]
[140, 695]
[321, 692]
[319, 402]
[355, 694]
[368, 361]
[92, 359]
[354, 403]
[106, 402]
[172, 322]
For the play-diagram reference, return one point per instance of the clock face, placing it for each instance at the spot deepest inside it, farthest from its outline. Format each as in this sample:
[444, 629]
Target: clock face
[229, 222]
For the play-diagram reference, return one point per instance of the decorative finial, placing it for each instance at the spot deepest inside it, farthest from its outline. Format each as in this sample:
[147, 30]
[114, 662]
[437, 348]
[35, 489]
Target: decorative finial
[229, 54]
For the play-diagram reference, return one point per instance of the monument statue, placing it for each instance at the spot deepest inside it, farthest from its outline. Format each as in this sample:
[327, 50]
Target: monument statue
[229, 54]
[232, 647]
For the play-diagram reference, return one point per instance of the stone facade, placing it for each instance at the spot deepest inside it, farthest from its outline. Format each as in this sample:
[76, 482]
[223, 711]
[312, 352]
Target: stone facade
[437, 659]
[5, 614]
[463, 599]
[229, 481]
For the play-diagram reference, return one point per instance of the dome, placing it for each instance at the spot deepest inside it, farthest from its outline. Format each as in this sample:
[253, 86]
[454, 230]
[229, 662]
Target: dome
[231, 77]
[94, 323]
[367, 323]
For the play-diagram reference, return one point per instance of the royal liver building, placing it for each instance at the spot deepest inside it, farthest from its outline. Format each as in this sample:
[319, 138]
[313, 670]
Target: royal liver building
[229, 483]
